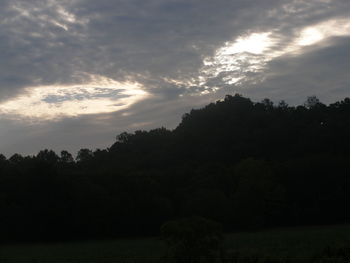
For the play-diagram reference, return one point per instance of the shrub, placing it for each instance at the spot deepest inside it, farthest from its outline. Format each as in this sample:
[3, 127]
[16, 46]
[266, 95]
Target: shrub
[192, 240]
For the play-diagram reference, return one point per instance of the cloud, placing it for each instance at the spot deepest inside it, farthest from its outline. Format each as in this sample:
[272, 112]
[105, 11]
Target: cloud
[163, 56]
[54, 102]
[320, 71]
[49, 41]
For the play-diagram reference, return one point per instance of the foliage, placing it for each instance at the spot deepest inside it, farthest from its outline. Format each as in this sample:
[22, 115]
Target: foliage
[192, 240]
[248, 165]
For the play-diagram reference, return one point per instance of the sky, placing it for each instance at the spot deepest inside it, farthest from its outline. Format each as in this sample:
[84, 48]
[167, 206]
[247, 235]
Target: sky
[76, 73]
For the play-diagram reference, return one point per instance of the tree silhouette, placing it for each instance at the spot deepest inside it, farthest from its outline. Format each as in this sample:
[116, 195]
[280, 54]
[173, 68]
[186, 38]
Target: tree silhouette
[245, 164]
[84, 155]
[66, 157]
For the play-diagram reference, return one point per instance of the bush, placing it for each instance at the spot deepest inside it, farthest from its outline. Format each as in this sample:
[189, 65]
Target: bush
[192, 240]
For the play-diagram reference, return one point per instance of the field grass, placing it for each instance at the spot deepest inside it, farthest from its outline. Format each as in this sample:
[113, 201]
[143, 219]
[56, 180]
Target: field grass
[295, 244]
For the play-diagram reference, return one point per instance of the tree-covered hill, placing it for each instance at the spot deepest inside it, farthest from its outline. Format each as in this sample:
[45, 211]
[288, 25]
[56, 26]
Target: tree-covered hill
[246, 164]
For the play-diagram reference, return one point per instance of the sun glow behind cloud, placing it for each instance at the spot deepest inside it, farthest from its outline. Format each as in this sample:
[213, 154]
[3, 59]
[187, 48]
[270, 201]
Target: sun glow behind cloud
[255, 43]
[316, 33]
[98, 95]
[244, 54]
[239, 61]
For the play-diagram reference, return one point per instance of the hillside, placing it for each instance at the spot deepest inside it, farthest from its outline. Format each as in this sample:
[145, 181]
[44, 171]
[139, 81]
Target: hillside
[248, 165]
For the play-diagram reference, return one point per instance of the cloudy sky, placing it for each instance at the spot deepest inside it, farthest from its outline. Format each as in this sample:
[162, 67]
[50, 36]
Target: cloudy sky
[75, 73]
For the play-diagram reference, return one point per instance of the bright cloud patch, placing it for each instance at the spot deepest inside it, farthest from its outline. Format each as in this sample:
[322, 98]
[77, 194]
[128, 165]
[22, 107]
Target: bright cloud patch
[238, 61]
[239, 57]
[316, 33]
[254, 43]
[99, 95]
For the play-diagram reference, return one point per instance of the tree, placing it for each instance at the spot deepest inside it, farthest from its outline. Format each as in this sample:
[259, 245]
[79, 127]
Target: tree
[124, 137]
[47, 156]
[84, 155]
[267, 103]
[66, 157]
[16, 158]
[282, 105]
[259, 198]
[209, 203]
[311, 102]
[2, 158]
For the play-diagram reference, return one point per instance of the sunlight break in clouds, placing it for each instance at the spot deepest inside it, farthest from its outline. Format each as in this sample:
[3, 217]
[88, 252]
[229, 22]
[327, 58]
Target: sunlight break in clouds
[238, 60]
[255, 43]
[99, 95]
[316, 33]
[244, 54]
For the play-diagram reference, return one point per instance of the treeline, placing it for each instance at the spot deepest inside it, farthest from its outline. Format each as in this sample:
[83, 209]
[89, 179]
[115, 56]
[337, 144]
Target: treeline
[245, 164]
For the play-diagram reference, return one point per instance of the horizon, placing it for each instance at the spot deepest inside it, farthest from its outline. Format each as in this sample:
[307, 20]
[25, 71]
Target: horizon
[309, 102]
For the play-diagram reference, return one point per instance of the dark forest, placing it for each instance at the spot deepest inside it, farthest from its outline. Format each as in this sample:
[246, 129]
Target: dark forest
[248, 165]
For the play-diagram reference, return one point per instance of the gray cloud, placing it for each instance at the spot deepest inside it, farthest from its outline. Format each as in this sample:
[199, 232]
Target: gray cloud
[160, 44]
[322, 71]
[116, 38]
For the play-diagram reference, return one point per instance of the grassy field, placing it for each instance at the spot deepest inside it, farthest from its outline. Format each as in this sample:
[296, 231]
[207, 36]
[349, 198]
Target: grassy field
[296, 244]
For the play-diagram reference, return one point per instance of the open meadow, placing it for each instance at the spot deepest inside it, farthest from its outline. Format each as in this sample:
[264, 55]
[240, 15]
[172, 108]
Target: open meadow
[294, 244]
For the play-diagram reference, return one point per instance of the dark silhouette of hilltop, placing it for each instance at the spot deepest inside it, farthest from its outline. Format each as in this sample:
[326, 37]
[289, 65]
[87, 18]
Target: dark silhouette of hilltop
[245, 164]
